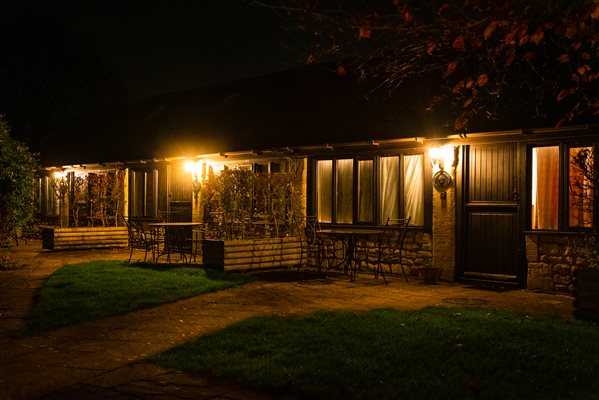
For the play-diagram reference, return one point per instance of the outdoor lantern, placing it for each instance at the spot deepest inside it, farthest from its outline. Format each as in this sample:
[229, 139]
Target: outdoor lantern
[440, 158]
[197, 171]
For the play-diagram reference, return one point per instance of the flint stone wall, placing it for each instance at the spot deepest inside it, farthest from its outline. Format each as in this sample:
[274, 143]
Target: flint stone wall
[552, 259]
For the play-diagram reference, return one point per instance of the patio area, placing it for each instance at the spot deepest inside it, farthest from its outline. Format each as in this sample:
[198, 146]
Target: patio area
[104, 358]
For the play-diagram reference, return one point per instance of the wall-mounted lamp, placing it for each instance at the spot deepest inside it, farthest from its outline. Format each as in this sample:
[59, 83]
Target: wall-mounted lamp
[198, 172]
[442, 157]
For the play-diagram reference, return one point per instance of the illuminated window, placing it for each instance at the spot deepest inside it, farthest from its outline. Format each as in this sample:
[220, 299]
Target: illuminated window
[344, 189]
[552, 181]
[580, 188]
[324, 182]
[347, 191]
[545, 184]
[365, 191]
[413, 193]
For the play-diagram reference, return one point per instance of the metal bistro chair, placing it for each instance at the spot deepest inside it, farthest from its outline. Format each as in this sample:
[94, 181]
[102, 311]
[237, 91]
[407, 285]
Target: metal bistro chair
[139, 239]
[366, 255]
[320, 252]
[390, 247]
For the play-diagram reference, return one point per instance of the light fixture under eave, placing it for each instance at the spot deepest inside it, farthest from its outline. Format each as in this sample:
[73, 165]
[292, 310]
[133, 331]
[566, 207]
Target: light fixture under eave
[442, 157]
[195, 169]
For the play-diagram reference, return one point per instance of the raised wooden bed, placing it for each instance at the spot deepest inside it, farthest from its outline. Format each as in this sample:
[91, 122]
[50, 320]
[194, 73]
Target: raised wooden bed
[231, 255]
[586, 293]
[84, 238]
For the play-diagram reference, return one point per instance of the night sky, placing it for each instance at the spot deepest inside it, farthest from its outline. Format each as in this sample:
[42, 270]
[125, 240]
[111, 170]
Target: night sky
[62, 63]
[164, 46]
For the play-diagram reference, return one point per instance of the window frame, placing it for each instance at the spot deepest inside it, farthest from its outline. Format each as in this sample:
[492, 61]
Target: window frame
[312, 205]
[563, 211]
[150, 177]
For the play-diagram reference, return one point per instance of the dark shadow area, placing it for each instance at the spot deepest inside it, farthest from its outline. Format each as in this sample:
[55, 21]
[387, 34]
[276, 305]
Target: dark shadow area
[494, 287]
[293, 275]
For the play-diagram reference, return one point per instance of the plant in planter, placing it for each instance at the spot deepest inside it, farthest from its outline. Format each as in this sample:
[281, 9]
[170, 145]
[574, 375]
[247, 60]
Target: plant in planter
[430, 274]
[102, 194]
[249, 217]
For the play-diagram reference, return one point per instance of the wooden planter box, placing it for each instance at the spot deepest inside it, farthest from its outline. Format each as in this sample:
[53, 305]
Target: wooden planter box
[586, 293]
[249, 254]
[84, 238]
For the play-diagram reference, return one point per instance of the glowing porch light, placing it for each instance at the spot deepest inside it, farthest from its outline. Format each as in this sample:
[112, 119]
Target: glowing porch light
[441, 157]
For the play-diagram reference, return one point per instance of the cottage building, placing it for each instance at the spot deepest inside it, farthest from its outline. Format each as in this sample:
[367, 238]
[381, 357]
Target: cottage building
[494, 206]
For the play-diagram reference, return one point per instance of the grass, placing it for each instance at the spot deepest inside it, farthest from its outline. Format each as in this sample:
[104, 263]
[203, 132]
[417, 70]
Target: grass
[389, 354]
[84, 292]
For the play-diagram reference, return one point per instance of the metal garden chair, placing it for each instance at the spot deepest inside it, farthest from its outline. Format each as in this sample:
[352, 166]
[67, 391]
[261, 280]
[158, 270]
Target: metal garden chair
[320, 252]
[140, 239]
[390, 246]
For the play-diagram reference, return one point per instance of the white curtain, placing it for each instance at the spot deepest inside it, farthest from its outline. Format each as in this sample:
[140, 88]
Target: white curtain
[389, 188]
[324, 184]
[414, 188]
[345, 190]
[365, 191]
[545, 180]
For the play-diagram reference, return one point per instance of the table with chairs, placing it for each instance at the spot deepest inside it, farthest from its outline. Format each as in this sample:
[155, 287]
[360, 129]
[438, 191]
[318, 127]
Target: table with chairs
[165, 239]
[180, 239]
[356, 248]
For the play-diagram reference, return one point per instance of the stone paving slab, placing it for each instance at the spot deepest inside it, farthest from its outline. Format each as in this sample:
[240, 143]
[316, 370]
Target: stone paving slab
[104, 358]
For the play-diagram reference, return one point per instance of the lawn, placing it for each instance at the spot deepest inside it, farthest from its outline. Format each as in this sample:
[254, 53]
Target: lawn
[428, 354]
[84, 292]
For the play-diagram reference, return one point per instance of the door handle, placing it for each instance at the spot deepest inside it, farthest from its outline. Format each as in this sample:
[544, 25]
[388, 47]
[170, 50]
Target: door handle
[515, 195]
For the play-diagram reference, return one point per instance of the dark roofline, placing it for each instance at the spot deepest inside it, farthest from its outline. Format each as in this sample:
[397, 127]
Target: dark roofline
[554, 133]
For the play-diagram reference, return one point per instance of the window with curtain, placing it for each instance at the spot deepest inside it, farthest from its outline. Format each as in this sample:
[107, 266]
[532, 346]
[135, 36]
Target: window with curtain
[370, 191]
[414, 189]
[389, 182]
[324, 194]
[365, 191]
[344, 190]
[547, 188]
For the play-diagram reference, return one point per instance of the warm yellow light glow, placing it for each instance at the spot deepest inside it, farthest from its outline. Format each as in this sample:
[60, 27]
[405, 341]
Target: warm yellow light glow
[441, 157]
[190, 166]
[216, 168]
[194, 168]
[59, 174]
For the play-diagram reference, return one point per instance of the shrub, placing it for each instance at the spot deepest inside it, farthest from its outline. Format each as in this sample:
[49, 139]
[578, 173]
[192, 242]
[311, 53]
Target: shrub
[17, 183]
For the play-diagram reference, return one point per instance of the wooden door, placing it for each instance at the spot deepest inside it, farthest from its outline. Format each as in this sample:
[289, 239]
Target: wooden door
[491, 244]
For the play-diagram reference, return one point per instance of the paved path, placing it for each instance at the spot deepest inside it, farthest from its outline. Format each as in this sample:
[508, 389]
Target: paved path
[104, 359]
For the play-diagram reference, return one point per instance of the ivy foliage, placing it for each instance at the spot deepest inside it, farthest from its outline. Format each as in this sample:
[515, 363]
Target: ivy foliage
[17, 183]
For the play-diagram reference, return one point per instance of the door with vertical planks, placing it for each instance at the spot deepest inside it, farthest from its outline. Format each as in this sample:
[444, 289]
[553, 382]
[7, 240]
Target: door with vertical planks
[491, 243]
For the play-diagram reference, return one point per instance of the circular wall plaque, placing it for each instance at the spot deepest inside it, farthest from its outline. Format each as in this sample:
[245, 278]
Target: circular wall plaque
[442, 181]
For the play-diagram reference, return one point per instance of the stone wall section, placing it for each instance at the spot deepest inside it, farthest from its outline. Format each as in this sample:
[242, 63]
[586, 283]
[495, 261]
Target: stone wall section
[444, 233]
[552, 259]
[418, 251]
